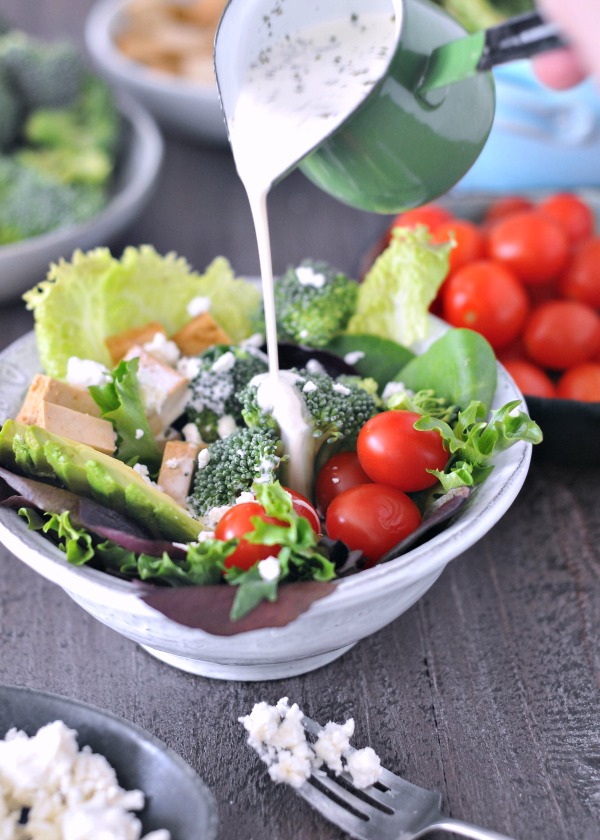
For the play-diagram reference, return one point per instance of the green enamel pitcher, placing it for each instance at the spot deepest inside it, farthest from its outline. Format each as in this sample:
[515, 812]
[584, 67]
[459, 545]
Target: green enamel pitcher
[425, 121]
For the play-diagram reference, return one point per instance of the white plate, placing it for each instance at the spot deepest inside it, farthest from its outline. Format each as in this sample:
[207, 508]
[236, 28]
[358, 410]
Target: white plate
[23, 264]
[176, 797]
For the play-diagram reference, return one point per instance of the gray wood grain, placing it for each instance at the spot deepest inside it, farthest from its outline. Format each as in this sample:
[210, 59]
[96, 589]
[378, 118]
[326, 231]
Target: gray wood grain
[488, 689]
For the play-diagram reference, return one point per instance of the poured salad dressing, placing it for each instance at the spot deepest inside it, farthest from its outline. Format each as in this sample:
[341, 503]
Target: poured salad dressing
[295, 93]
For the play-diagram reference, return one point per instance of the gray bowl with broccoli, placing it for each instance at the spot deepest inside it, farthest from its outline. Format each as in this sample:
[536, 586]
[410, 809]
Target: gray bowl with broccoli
[77, 164]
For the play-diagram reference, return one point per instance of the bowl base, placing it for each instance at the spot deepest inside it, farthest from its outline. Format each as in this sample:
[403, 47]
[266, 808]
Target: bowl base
[247, 673]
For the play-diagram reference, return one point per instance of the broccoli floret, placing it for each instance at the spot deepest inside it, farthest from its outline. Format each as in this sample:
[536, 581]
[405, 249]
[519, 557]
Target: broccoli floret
[223, 371]
[233, 465]
[10, 114]
[32, 204]
[313, 303]
[43, 75]
[75, 144]
[327, 411]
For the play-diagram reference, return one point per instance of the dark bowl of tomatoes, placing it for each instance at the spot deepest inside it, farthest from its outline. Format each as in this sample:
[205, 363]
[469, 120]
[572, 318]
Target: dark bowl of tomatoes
[525, 273]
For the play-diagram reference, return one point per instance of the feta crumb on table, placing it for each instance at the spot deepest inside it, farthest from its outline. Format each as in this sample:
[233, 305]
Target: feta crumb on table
[279, 737]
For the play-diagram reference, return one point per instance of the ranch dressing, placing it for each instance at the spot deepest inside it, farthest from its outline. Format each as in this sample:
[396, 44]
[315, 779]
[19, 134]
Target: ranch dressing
[296, 91]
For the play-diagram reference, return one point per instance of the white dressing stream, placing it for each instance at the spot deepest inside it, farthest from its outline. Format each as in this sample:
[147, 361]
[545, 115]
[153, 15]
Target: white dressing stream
[296, 91]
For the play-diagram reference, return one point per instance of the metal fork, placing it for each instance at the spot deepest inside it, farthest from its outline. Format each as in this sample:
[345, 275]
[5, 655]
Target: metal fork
[391, 809]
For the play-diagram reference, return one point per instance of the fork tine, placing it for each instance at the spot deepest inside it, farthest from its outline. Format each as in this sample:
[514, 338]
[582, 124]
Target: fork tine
[335, 813]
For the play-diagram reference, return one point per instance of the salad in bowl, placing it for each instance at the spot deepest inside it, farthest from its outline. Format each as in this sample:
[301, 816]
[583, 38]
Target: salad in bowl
[154, 482]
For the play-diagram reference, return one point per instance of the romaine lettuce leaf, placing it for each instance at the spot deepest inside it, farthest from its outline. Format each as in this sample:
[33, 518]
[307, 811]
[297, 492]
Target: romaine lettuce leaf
[95, 295]
[394, 298]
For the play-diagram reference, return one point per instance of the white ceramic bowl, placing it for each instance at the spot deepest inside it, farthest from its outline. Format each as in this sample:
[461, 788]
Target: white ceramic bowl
[189, 107]
[23, 264]
[373, 598]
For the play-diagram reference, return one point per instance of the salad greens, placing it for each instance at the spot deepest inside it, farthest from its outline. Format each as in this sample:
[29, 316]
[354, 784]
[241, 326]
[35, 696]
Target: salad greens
[395, 295]
[120, 401]
[83, 302]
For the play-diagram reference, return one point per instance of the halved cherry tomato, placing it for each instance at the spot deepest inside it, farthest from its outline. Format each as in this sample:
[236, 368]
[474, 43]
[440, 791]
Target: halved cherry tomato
[391, 451]
[486, 296]
[468, 238]
[581, 280]
[338, 474]
[372, 518]
[235, 524]
[581, 382]
[532, 244]
[572, 213]
[531, 379]
[562, 333]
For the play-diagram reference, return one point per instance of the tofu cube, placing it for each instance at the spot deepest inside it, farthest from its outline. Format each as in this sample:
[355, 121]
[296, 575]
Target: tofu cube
[83, 428]
[199, 334]
[44, 388]
[121, 343]
[164, 390]
[177, 469]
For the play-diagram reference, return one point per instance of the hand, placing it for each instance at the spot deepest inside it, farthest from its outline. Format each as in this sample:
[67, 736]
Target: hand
[580, 23]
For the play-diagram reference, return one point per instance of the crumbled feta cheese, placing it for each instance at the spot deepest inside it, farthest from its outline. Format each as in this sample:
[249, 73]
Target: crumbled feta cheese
[341, 389]
[308, 277]
[309, 387]
[66, 793]
[354, 357]
[191, 433]
[188, 366]
[392, 388]
[203, 458]
[246, 496]
[253, 341]
[81, 373]
[139, 433]
[142, 470]
[226, 426]
[198, 305]
[224, 363]
[164, 349]
[280, 739]
[313, 366]
[173, 463]
[269, 569]
[364, 766]
[215, 514]
[333, 742]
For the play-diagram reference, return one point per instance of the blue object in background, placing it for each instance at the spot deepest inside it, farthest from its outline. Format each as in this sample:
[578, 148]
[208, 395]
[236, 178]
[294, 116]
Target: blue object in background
[540, 138]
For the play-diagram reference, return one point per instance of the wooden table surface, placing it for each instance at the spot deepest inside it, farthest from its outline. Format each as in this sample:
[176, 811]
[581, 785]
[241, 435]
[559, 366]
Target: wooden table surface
[488, 689]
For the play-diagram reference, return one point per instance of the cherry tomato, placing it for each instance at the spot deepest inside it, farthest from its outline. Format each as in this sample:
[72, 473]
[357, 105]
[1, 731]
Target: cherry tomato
[391, 451]
[486, 296]
[372, 518]
[572, 213]
[505, 206]
[430, 215]
[469, 241]
[562, 333]
[338, 474]
[237, 522]
[531, 379]
[581, 382]
[581, 280]
[533, 245]
[304, 508]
